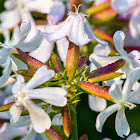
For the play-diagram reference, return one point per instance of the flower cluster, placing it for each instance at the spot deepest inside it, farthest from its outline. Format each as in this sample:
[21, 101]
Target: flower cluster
[52, 65]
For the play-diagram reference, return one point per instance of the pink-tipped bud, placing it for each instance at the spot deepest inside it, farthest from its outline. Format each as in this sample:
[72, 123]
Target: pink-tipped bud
[84, 137]
[95, 90]
[82, 61]
[72, 59]
[66, 121]
[107, 69]
[30, 61]
[53, 135]
[56, 62]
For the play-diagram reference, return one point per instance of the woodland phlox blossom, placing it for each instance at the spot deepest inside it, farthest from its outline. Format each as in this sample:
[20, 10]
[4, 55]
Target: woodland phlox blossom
[129, 8]
[132, 59]
[75, 27]
[123, 98]
[24, 92]
[18, 42]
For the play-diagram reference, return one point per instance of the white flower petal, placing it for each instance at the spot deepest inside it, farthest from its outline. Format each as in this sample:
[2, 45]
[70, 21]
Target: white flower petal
[124, 6]
[32, 45]
[4, 53]
[132, 137]
[116, 91]
[133, 76]
[134, 96]
[57, 12]
[41, 76]
[96, 103]
[7, 72]
[92, 35]
[20, 65]
[52, 28]
[77, 34]
[8, 132]
[6, 35]
[57, 120]
[16, 87]
[40, 119]
[62, 47]
[102, 117]
[22, 121]
[31, 135]
[121, 124]
[102, 50]
[51, 95]
[9, 19]
[118, 39]
[42, 6]
[134, 24]
[24, 30]
[101, 61]
[15, 111]
[44, 51]
[61, 32]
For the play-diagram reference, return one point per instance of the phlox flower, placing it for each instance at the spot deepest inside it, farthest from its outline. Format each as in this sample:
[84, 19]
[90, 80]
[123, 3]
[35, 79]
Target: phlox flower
[18, 42]
[24, 92]
[123, 98]
[19, 11]
[132, 59]
[75, 27]
[129, 8]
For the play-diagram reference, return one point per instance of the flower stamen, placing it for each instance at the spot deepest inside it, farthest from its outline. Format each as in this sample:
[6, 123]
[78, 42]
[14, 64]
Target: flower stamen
[77, 8]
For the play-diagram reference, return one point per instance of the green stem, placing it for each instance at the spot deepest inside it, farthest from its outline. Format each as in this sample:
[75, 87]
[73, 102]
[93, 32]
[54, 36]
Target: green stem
[74, 130]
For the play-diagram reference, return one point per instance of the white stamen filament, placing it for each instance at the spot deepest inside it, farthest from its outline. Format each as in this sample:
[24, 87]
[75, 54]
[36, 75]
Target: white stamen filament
[77, 8]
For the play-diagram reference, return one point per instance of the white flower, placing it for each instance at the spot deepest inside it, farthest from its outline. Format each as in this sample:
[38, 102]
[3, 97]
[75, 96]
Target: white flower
[123, 98]
[24, 92]
[19, 11]
[75, 27]
[132, 59]
[129, 8]
[9, 132]
[18, 42]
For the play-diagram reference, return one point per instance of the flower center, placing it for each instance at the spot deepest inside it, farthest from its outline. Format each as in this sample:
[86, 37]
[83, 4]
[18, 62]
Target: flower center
[128, 104]
[77, 8]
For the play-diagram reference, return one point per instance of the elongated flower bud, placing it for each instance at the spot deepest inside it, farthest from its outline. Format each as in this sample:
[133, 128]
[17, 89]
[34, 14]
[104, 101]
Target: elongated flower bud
[30, 61]
[95, 90]
[107, 69]
[72, 59]
[53, 135]
[66, 121]
[84, 137]
[82, 61]
[56, 63]
[97, 8]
